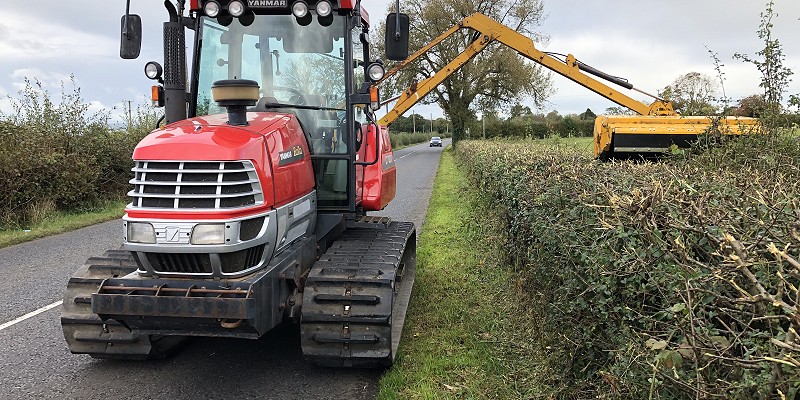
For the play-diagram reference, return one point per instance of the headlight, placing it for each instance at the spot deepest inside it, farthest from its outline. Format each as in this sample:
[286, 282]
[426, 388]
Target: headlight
[299, 9]
[211, 9]
[153, 70]
[236, 8]
[208, 234]
[324, 8]
[141, 232]
[376, 72]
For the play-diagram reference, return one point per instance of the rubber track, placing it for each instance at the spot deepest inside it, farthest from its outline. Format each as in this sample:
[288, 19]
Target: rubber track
[349, 298]
[86, 333]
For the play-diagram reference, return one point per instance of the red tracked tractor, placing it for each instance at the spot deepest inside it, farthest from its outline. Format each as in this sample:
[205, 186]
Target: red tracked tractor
[249, 206]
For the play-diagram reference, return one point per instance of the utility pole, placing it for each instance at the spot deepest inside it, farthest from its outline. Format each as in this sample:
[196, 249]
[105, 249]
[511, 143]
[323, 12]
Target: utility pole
[414, 120]
[431, 124]
[130, 116]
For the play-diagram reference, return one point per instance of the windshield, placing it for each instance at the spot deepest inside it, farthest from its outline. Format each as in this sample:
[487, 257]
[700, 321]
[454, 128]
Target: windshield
[294, 65]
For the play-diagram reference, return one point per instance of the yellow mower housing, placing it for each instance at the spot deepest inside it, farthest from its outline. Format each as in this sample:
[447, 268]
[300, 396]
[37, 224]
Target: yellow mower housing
[618, 136]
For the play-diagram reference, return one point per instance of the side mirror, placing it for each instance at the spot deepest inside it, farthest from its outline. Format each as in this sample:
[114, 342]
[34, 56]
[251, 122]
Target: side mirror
[131, 37]
[397, 33]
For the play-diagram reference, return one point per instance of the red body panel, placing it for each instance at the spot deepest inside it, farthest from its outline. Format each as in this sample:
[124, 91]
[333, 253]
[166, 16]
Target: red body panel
[210, 138]
[296, 178]
[380, 179]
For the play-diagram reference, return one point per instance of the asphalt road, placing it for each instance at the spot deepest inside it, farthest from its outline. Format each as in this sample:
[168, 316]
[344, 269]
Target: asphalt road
[35, 362]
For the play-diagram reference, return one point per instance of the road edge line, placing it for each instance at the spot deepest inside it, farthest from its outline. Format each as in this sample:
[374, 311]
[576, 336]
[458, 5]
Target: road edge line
[31, 315]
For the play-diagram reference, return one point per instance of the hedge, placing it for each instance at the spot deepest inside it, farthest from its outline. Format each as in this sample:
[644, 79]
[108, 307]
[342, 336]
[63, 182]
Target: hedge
[60, 156]
[671, 279]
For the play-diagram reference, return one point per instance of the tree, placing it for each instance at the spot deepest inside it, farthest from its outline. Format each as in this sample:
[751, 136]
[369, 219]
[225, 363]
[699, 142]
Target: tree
[403, 124]
[519, 110]
[553, 117]
[496, 77]
[692, 94]
[619, 110]
[588, 115]
[751, 106]
[775, 77]
[794, 101]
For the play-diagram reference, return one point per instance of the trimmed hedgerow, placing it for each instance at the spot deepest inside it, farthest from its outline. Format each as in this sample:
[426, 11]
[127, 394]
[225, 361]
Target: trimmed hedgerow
[671, 279]
[61, 156]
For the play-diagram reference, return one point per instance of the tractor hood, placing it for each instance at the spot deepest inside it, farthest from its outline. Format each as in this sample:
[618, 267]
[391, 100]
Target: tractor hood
[211, 138]
[274, 142]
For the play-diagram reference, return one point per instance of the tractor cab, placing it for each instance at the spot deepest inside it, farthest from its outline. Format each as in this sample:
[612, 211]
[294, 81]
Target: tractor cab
[308, 64]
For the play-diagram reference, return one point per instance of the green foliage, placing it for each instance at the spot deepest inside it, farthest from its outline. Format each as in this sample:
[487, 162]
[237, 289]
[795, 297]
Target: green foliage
[536, 126]
[775, 77]
[587, 115]
[663, 280]
[59, 156]
[750, 106]
[418, 123]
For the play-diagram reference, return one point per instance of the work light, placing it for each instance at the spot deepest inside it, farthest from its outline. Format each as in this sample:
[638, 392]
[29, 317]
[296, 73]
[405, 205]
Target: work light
[324, 8]
[236, 8]
[299, 9]
[153, 70]
[376, 71]
[211, 9]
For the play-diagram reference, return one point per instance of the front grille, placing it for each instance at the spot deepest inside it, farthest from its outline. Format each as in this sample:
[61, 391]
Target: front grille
[241, 260]
[180, 263]
[195, 185]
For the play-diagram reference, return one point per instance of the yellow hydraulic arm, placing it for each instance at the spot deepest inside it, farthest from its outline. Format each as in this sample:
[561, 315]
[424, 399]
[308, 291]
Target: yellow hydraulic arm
[491, 30]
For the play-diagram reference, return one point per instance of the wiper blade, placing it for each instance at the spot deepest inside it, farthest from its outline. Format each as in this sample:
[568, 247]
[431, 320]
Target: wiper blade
[300, 106]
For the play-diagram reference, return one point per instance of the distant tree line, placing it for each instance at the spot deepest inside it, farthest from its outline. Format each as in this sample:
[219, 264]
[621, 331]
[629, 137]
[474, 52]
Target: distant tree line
[522, 122]
[416, 123]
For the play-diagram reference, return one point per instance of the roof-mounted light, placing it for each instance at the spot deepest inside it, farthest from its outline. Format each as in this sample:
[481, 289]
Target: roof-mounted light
[299, 9]
[324, 8]
[211, 8]
[236, 8]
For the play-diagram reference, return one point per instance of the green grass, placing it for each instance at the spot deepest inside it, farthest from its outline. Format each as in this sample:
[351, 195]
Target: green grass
[468, 333]
[60, 222]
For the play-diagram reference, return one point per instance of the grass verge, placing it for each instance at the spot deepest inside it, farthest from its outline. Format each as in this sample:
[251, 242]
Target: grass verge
[467, 334]
[60, 222]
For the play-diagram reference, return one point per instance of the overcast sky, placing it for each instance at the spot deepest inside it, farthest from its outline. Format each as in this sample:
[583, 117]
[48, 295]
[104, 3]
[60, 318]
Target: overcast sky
[650, 43]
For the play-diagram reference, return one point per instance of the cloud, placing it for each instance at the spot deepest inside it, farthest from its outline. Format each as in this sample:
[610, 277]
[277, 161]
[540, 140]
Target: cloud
[24, 37]
[49, 80]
